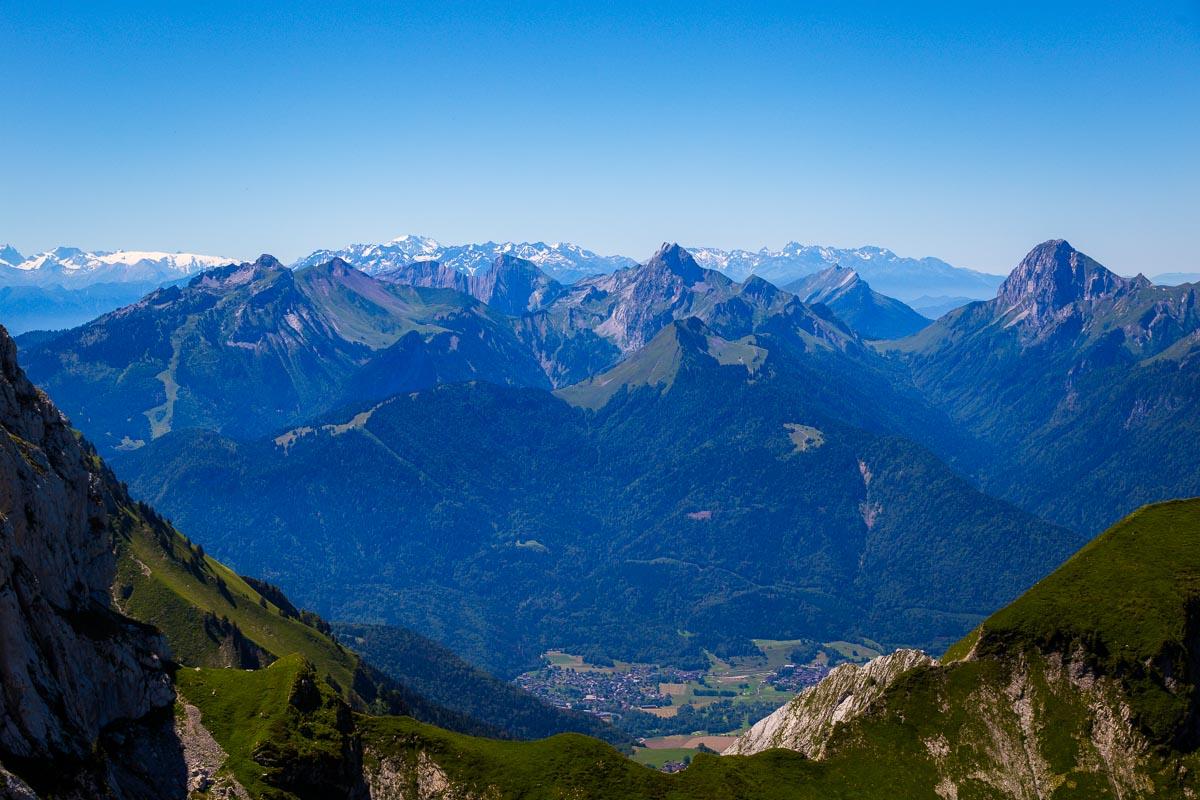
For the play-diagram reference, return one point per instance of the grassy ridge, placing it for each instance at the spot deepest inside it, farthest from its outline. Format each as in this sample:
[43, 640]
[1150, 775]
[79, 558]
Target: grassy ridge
[165, 580]
[288, 735]
[1129, 599]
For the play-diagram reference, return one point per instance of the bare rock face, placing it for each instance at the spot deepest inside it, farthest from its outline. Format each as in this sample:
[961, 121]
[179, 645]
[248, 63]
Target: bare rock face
[806, 723]
[81, 687]
[1055, 283]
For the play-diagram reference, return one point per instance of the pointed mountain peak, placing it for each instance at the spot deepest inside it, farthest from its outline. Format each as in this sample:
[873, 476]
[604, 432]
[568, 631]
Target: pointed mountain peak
[827, 285]
[837, 275]
[10, 255]
[267, 261]
[673, 258]
[334, 267]
[1055, 275]
[759, 289]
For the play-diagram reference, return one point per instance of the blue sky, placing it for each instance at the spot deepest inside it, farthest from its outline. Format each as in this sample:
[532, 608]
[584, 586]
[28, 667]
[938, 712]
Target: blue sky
[949, 130]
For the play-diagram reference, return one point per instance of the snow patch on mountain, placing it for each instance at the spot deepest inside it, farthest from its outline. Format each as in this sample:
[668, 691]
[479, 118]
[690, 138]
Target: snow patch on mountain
[74, 267]
[563, 261]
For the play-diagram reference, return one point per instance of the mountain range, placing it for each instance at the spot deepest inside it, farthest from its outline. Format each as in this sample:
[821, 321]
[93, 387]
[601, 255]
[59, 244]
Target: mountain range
[687, 408]
[65, 287]
[72, 267]
[567, 263]
[562, 261]
[659, 464]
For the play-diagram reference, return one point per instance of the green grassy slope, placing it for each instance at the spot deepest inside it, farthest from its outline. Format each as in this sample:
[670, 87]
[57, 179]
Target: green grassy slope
[1130, 599]
[167, 581]
[289, 736]
[1086, 686]
[212, 617]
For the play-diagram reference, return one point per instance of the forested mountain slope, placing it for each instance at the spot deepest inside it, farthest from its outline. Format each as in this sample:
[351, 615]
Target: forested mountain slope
[1082, 384]
[508, 521]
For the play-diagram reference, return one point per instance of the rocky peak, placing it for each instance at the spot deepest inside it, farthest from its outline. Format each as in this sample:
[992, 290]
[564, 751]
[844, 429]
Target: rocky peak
[760, 289]
[679, 262]
[268, 261]
[827, 285]
[10, 255]
[1055, 275]
[506, 262]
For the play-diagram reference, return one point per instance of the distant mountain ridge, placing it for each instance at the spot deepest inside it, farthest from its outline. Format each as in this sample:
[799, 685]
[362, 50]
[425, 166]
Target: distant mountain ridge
[871, 314]
[64, 271]
[896, 276]
[294, 342]
[562, 261]
[72, 267]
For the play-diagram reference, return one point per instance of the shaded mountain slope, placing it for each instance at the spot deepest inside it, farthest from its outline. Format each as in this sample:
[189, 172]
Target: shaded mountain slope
[1072, 375]
[292, 343]
[441, 677]
[868, 313]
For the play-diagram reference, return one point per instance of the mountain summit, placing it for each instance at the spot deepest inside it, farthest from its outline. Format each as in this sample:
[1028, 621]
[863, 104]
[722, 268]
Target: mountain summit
[867, 312]
[10, 256]
[677, 261]
[1054, 276]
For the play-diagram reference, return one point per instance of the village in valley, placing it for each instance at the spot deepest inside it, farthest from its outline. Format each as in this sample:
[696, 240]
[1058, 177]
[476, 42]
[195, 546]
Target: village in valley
[675, 713]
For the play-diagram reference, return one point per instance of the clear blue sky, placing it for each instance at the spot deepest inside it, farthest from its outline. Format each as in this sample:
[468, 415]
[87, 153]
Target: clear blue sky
[954, 130]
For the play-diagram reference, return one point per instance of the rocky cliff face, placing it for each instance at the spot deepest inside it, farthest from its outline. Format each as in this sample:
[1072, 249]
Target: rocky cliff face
[85, 696]
[806, 723]
[1054, 283]
[1022, 726]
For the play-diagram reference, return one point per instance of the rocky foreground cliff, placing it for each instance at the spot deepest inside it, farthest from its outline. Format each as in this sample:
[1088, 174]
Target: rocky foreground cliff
[85, 696]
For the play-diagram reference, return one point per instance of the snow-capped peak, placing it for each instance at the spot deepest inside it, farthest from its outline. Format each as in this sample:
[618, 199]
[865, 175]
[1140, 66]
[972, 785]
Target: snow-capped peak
[72, 265]
[561, 260]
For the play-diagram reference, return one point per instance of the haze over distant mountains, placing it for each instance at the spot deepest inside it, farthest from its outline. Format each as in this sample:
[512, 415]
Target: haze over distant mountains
[66, 286]
[73, 267]
[891, 274]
